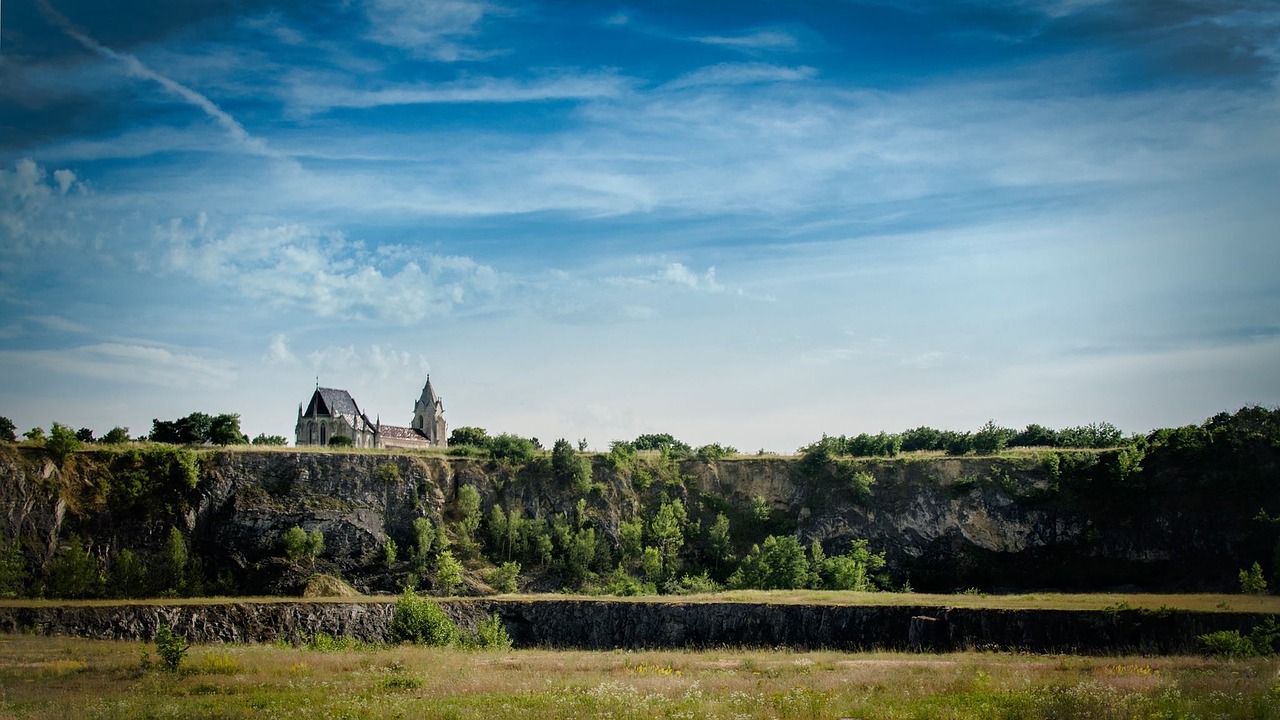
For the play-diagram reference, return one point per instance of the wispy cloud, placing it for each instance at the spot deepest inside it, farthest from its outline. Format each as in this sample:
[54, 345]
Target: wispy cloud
[673, 274]
[136, 68]
[435, 29]
[742, 74]
[58, 323]
[325, 273]
[124, 363]
[759, 40]
[312, 93]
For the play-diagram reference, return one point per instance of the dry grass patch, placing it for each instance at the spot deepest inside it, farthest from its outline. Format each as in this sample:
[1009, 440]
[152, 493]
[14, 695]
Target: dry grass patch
[95, 679]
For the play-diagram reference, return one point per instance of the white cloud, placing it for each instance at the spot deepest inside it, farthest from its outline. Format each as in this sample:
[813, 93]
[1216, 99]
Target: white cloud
[128, 363]
[741, 74]
[33, 212]
[672, 274]
[428, 28]
[137, 68]
[313, 93]
[278, 352]
[59, 324]
[760, 40]
[375, 363]
[325, 274]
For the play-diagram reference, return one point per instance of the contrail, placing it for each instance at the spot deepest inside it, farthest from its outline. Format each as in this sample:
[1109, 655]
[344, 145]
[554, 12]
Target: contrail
[138, 69]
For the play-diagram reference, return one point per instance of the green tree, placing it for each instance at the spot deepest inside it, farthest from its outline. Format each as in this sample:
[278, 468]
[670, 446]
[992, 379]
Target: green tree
[448, 573]
[84, 435]
[116, 436]
[7, 430]
[424, 536]
[568, 468]
[666, 531]
[128, 576]
[35, 434]
[473, 436]
[469, 519]
[991, 439]
[270, 440]
[778, 564]
[74, 573]
[720, 541]
[1252, 582]
[389, 551]
[651, 564]
[295, 543]
[62, 442]
[173, 572]
[314, 545]
[341, 441]
[631, 539]
[13, 569]
[662, 442]
[512, 448]
[855, 570]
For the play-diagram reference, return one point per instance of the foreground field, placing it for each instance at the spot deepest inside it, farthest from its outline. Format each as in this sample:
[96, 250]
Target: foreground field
[64, 678]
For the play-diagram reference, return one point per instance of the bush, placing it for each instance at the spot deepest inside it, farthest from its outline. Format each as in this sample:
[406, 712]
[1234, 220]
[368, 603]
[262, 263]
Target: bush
[421, 621]
[62, 442]
[1252, 582]
[340, 441]
[490, 634]
[295, 543]
[503, 578]
[448, 573]
[171, 648]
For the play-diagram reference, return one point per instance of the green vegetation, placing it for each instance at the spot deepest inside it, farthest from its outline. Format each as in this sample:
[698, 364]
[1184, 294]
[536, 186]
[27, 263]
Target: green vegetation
[7, 430]
[199, 429]
[1252, 582]
[170, 647]
[70, 679]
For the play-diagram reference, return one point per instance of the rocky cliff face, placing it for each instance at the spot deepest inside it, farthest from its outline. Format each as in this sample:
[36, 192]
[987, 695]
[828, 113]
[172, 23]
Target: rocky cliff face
[944, 523]
[604, 625]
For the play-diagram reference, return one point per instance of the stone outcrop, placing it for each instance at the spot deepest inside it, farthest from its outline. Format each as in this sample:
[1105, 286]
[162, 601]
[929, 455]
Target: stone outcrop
[605, 624]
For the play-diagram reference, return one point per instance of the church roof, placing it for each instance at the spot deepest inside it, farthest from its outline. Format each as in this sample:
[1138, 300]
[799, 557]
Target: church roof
[335, 403]
[429, 397]
[401, 433]
[332, 401]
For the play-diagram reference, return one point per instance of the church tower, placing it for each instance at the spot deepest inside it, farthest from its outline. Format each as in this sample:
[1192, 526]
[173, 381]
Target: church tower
[428, 416]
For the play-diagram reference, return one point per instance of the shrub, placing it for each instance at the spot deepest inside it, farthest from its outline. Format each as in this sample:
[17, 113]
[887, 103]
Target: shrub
[62, 442]
[389, 553]
[503, 578]
[448, 573]
[421, 621]
[1252, 582]
[339, 441]
[490, 634]
[295, 543]
[171, 647]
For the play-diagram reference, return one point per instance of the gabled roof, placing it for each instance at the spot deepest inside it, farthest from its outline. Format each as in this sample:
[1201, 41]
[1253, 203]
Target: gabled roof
[332, 402]
[401, 433]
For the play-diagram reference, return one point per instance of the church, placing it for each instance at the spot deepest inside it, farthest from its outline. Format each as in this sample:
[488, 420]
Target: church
[334, 413]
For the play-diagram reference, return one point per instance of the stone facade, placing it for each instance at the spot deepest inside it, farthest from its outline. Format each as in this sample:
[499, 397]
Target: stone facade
[332, 413]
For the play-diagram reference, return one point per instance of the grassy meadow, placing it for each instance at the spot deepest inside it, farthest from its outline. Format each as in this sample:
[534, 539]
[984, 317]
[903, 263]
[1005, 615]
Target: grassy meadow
[69, 679]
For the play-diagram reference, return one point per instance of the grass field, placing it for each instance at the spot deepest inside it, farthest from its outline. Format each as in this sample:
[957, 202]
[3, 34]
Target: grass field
[69, 679]
[1030, 601]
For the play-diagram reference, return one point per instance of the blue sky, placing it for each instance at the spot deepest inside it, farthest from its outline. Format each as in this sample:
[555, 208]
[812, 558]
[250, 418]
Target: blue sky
[748, 223]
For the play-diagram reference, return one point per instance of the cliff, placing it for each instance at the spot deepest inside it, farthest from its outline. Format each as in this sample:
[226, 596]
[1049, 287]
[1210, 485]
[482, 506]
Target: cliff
[603, 625]
[1187, 518]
